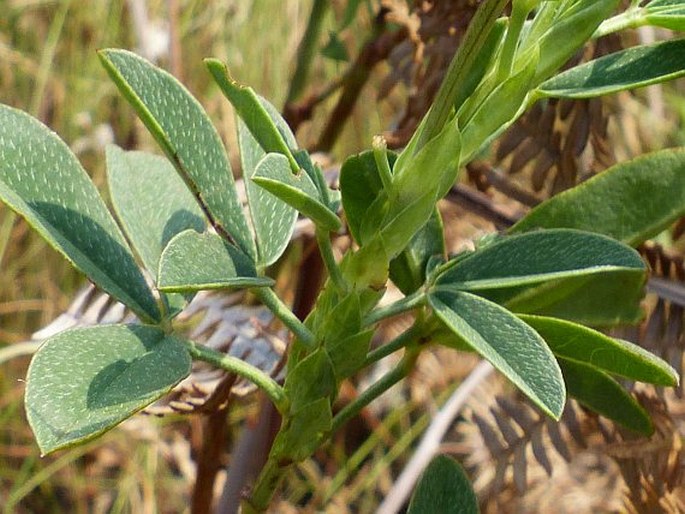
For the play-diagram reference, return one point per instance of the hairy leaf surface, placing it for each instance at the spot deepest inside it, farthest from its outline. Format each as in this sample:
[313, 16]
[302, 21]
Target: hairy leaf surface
[508, 343]
[41, 179]
[183, 130]
[85, 381]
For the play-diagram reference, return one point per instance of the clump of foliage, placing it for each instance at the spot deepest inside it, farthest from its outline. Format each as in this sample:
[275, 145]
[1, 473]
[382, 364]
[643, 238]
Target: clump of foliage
[524, 300]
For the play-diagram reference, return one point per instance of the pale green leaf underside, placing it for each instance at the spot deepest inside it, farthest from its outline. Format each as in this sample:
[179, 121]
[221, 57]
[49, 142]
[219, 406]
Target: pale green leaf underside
[195, 262]
[539, 257]
[628, 69]
[43, 181]
[444, 488]
[273, 219]
[581, 344]
[273, 173]
[508, 343]
[631, 201]
[151, 201]
[183, 130]
[85, 381]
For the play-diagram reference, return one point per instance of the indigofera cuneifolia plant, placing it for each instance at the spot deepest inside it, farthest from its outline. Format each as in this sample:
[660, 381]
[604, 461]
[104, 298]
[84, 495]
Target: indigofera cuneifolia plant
[521, 300]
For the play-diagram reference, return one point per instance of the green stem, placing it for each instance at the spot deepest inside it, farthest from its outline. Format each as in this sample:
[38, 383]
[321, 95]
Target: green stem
[406, 338]
[264, 489]
[282, 312]
[408, 303]
[631, 18]
[459, 68]
[386, 382]
[519, 14]
[243, 369]
[380, 155]
[307, 49]
[323, 239]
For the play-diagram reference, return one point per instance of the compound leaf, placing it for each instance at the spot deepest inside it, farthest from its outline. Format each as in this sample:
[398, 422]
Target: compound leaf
[183, 130]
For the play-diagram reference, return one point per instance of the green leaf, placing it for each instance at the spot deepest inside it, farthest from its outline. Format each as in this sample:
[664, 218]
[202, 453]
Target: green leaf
[304, 431]
[195, 262]
[628, 69]
[499, 110]
[669, 14]
[360, 184]
[508, 343]
[539, 257]
[581, 344]
[274, 175]
[408, 269]
[41, 180]
[151, 201]
[444, 488]
[599, 392]
[569, 33]
[254, 114]
[311, 379]
[418, 183]
[603, 299]
[631, 201]
[181, 127]
[486, 62]
[273, 220]
[84, 381]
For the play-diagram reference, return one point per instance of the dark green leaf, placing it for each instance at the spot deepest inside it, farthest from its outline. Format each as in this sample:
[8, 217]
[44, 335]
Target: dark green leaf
[298, 191]
[631, 201]
[42, 180]
[581, 344]
[181, 127]
[273, 220]
[195, 262]
[628, 69]
[84, 381]
[508, 343]
[443, 488]
[599, 392]
[538, 257]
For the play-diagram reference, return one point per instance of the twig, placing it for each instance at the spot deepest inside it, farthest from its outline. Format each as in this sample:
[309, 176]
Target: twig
[430, 443]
